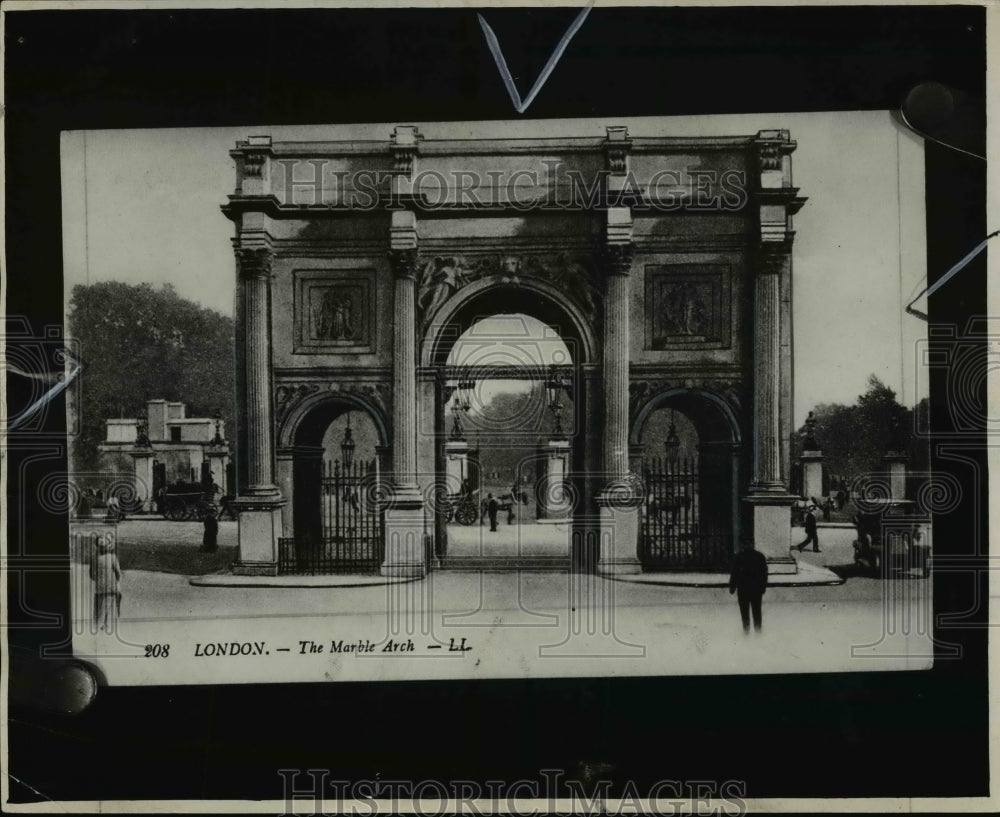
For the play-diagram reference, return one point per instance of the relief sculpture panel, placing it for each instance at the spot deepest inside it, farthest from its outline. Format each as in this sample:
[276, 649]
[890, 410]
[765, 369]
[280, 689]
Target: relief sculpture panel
[334, 311]
[688, 306]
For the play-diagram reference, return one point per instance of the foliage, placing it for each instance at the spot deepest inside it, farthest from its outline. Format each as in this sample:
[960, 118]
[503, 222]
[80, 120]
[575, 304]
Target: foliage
[855, 438]
[141, 343]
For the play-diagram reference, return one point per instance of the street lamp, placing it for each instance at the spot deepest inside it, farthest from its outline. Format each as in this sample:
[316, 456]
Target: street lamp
[347, 445]
[672, 444]
[465, 388]
[554, 387]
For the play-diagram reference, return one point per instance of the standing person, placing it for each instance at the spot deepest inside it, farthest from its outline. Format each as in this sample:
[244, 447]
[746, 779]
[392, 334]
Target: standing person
[748, 581]
[810, 522]
[827, 509]
[209, 540]
[491, 508]
[107, 575]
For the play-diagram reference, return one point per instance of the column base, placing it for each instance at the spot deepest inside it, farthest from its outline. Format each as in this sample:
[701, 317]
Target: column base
[772, 529]
[405, 546]
[259, 528]
[618, 532]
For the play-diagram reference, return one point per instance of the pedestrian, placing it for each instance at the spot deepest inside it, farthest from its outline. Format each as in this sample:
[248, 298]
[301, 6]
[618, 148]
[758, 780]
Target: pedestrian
[748, 580]
[106, 574]
[209, 540]
[491, 508]
[827, 509]
[810, 522]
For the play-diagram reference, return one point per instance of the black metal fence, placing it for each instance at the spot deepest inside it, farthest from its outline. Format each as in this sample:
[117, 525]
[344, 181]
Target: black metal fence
[352, 538]
[673, 534]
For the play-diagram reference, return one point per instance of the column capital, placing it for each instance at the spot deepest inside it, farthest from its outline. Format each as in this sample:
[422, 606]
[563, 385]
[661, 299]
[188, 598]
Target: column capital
[254, 262]
[404, 263]
[618, 258]
[773, 256]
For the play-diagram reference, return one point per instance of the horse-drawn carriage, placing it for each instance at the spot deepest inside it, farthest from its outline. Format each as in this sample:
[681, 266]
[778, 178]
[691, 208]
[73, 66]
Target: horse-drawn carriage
[190, 501]
[464, 508]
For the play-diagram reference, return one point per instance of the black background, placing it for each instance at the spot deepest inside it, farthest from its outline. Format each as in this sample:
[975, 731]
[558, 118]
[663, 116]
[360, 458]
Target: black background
[859, 734]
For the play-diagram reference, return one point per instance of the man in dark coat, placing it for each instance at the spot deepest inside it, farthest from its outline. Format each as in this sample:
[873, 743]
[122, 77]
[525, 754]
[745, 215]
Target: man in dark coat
[491, 508]
[209, 541]
[748, 581]
[810, 522]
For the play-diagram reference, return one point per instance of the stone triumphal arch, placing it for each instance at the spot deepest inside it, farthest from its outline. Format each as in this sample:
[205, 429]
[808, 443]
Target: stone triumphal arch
[663, 263]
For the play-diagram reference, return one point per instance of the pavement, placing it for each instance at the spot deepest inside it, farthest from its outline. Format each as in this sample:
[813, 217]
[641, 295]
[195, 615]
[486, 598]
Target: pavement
[514, 624]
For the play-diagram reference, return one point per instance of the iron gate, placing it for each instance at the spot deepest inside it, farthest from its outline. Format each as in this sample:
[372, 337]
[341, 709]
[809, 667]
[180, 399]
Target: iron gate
[674, 535]
[352, 530]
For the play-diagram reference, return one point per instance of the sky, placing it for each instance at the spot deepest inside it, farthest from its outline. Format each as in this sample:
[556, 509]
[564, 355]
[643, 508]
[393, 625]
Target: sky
[143, 206]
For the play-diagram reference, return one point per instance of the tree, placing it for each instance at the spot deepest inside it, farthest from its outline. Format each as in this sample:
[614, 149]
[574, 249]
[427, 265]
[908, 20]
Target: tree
[854, 438]
[139, 343]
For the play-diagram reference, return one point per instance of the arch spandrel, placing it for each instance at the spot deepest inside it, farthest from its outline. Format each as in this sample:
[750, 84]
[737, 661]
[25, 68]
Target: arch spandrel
[496, 294]
[313, 402]
[720, 423]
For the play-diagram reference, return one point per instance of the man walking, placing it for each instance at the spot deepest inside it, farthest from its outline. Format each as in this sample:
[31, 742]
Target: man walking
[491, 508]
[748, 581]
[810, 522]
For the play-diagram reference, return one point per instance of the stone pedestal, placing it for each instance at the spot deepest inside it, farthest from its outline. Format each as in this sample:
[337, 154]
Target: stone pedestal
[772, 530]
[894, 463]
[218, 459]
[554, 504]
[456, 465]
[259, 528]
[405, 547]
[143, 477]
[618, 533]
[812, 474]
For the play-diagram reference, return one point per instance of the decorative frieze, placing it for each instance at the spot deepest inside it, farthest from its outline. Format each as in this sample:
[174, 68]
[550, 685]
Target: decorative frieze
[442, 276]
[289, 395]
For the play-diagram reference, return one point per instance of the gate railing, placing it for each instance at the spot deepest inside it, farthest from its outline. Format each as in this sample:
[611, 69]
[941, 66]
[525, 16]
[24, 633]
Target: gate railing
[352, 526]
[673, 534]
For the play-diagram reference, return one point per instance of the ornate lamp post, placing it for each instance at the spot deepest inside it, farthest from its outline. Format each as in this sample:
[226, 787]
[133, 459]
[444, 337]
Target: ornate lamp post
[554, 387]
[672, 444]
[466, 386]
[347, 445]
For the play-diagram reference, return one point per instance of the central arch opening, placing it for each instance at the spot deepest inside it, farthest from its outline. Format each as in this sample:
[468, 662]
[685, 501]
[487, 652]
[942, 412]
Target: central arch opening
[511, 413]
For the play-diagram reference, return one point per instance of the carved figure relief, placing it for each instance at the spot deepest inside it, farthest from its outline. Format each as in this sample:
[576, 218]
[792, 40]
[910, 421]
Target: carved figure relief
[333, 310]
[687, 306]
[443, 276]
[334, 318]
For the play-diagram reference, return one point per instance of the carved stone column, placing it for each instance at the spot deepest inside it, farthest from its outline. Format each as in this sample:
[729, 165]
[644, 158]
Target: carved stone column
[617, 268]
[405, 534]
[404, 406]
[617, 503]
[769, 496]
[259, 503]
[775, 201]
